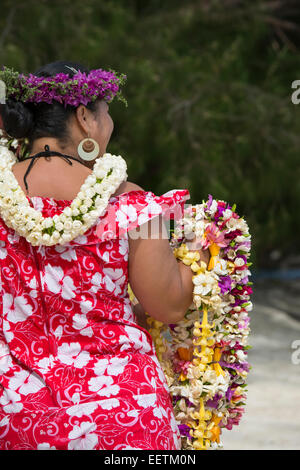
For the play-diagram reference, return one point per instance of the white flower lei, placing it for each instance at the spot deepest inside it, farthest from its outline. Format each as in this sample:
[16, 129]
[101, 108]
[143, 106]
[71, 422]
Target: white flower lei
[90, 203]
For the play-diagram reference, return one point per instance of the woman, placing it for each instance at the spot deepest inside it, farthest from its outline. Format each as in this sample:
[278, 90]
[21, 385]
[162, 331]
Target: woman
[78, 371]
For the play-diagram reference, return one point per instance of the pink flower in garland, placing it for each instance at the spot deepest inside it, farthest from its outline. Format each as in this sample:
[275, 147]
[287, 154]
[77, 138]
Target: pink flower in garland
[181, 366]
[246, 290]
[213, 235]
[235, 417]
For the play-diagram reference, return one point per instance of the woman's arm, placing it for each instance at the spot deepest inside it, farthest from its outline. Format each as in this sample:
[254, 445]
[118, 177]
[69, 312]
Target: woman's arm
[162, 285]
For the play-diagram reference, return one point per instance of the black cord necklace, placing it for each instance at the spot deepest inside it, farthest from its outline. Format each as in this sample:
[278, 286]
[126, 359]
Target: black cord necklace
[47, 153]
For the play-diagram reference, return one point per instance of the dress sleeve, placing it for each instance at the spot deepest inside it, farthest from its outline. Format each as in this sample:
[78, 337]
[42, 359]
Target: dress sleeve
[130, 210]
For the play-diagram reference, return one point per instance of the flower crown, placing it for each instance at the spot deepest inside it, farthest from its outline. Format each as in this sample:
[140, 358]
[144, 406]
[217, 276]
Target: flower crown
[81, 88]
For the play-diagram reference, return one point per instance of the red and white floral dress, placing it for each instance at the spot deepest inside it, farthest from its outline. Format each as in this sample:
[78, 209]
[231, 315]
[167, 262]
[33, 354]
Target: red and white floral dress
[76, 370]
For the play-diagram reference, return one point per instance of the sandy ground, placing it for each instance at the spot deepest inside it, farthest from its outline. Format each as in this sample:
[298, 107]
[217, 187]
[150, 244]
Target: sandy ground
[272, 416]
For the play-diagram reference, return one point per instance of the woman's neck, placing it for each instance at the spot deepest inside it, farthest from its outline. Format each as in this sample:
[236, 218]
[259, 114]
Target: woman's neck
[39, 146]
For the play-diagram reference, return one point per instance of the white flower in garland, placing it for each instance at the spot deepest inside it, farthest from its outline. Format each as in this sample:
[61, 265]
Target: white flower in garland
[90, 203]
[203, 284]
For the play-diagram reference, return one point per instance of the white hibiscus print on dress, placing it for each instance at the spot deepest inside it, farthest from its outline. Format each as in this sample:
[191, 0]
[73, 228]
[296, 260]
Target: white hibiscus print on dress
[128, 313]
[45, 446]
[33, 285]
[114, 279]
[13, 237]
[147, 213]
[82, 437]
[160, 373]
[3, 251]
[145, 400]
[160, 412]
[112, 366]
[109, 403]
[16, 308]
[96, 281]
[123, 247]
[86, 306]
[105, 256]
[37, 203]
[66, 253]
[134, 338]
[11, 402]
[46, 364]
[72, 355]
[4, 421]
[126, 214]
[5, 358]
[25, 382]
[80, 321]
[58, 283]
[82, 409]
[8, 334]
[103, 386]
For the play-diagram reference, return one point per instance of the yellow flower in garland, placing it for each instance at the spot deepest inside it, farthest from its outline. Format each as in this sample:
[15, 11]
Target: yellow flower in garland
[205, 356]
[131, 295]
[204, 338]
[214, 250]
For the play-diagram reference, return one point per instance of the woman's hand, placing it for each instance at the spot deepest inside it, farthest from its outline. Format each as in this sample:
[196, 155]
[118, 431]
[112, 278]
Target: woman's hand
[196, 245]
[161, 284]
[205, 256]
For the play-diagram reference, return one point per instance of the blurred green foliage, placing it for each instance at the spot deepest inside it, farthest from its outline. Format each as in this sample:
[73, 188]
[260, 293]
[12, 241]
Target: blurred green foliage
[209, 93]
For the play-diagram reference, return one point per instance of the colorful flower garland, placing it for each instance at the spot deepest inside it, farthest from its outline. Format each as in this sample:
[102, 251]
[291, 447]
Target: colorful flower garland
[204, 356]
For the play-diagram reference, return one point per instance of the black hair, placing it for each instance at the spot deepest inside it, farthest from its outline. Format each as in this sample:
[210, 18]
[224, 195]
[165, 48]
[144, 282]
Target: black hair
[36, 120]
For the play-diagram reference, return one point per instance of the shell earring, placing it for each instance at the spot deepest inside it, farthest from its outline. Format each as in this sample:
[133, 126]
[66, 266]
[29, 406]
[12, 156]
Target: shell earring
[88, 149]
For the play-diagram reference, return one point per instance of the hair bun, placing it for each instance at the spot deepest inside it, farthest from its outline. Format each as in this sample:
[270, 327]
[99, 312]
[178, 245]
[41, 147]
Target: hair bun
[17, 118]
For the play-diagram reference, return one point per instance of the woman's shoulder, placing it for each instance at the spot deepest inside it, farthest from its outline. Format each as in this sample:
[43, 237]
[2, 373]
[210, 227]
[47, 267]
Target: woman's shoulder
[126, 187]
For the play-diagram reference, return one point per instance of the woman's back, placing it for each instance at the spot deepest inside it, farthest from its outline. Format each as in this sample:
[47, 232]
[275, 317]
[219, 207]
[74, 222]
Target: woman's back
[72, 352]
[56, 179]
